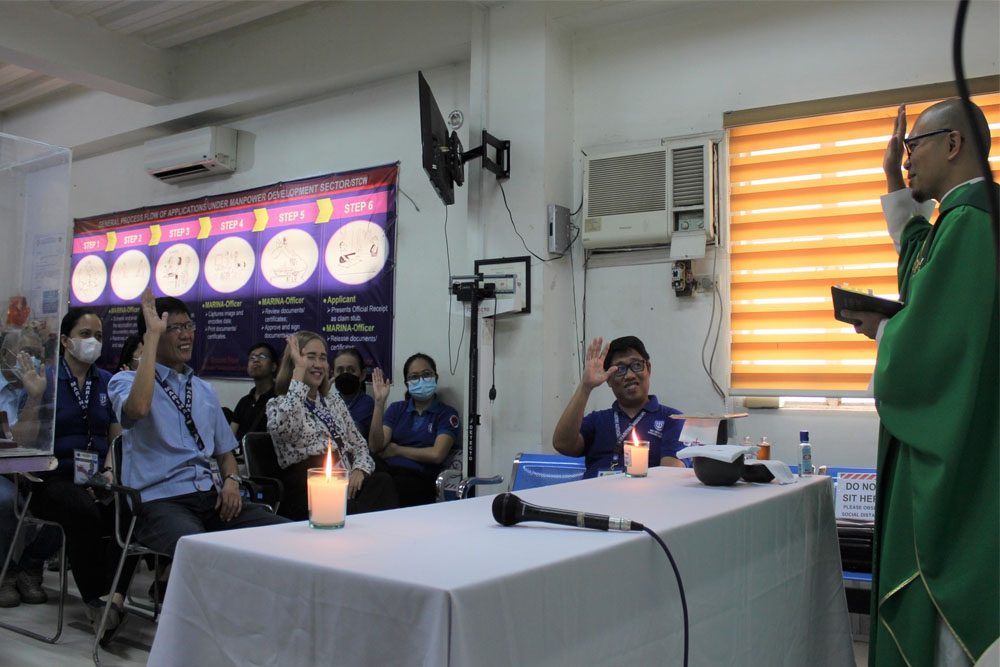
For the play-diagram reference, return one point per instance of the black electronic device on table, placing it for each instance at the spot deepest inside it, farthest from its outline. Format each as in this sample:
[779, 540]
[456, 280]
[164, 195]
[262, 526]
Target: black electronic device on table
[848, 299]
[443, 157]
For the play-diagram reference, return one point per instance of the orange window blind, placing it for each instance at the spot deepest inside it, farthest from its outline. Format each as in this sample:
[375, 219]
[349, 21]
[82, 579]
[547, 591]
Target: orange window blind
[805, 215]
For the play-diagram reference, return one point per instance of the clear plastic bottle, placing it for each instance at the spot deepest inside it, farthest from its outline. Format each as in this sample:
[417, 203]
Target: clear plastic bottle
[752, 454]
[764, 449]
[805, 454]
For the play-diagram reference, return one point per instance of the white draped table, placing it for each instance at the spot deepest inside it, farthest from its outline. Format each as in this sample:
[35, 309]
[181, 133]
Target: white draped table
[445, 584]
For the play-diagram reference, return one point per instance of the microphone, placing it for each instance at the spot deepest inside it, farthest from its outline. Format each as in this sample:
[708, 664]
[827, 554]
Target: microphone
[508, 509]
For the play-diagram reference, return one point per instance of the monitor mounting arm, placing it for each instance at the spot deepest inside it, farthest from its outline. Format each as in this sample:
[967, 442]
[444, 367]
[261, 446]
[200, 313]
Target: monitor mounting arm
[500, 166]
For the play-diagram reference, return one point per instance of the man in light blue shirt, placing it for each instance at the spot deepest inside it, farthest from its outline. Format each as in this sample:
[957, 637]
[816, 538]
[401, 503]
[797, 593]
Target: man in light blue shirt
[173, 426]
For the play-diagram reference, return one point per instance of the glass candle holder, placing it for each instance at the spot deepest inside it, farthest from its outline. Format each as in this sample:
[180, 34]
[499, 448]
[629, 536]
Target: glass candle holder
[327, 498]
[636, 458]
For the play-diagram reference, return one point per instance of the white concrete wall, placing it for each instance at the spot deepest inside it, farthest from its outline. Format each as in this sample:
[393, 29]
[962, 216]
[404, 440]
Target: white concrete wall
[676, 74]
[555, 84]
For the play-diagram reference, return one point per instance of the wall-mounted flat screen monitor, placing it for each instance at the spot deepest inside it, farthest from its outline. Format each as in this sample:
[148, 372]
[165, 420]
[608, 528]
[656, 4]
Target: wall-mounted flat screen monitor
[442, 151]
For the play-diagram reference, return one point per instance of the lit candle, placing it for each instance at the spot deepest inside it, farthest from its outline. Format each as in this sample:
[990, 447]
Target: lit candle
[636, 457]
[327, 494]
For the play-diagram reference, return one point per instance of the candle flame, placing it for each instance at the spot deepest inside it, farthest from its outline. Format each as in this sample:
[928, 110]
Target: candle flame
[635, 440]
[329, 459]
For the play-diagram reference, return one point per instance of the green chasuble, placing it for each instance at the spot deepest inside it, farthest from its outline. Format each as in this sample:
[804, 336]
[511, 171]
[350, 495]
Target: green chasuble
[937, 526]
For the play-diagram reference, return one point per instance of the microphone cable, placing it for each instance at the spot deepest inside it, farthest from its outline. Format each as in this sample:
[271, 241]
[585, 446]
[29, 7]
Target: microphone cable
[979, 142]
[680, 587]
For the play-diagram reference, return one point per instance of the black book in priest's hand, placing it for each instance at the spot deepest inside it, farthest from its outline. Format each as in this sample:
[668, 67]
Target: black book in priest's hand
[849, 299]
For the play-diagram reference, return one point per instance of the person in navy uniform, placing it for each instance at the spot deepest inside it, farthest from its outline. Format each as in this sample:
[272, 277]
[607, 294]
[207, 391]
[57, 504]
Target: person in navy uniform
[600, 436]
[349, 380]
[416, 435]
[85, 425]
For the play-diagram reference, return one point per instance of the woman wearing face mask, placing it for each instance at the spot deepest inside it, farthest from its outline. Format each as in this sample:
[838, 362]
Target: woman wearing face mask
[348, 378]
[85, 423]
[307, 413]
[413, 436]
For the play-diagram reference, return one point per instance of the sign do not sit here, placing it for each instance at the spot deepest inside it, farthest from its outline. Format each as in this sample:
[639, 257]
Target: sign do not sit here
[856, 496]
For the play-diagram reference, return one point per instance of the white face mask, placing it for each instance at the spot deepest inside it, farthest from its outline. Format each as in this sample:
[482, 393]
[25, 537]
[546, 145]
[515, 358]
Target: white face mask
[86, 350]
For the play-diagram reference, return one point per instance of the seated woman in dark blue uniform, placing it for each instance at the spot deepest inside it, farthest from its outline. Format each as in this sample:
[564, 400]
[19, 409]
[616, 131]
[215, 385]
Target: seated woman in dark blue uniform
[349, 379]
[417, 434]
[85, 423]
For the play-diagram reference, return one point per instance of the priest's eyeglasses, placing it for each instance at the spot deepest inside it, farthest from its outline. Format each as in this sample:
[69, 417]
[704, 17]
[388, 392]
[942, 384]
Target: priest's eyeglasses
[637, 366]
[908, 142]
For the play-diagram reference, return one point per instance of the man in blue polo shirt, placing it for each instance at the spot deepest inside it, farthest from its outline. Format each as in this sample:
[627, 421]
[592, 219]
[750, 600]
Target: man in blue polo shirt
[600, 436]
[172, 427]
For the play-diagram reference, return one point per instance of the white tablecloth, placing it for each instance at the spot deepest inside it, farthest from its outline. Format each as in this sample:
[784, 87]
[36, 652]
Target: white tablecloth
[446, 585]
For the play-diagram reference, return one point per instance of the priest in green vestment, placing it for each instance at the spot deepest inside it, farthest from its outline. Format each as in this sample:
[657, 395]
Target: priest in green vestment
[936, 594]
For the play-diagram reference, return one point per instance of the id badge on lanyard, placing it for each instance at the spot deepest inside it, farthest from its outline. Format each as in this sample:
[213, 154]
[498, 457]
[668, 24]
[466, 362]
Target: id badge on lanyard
[85, 465]
[619, 448]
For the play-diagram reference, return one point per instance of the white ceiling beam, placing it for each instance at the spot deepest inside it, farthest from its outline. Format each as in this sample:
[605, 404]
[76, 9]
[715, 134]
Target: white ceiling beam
[38, 37]
[215, 18]
[11, 73]
[33, 88]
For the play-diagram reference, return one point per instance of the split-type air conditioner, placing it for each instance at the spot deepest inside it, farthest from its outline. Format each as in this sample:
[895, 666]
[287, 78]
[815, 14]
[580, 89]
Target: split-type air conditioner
[642, 197]
[207, 151]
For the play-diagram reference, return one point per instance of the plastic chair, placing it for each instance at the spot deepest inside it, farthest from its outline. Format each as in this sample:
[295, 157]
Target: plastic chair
[533, 470]
[23, 519]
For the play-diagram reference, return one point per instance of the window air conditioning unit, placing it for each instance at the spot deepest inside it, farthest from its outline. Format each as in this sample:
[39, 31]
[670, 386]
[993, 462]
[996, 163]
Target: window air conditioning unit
[187, 156]
[642, 197]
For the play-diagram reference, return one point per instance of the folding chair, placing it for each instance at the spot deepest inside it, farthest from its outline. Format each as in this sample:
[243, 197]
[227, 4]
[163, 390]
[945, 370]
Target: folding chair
[128, 545]
[451, 485]
[263, 470]
[23, 519]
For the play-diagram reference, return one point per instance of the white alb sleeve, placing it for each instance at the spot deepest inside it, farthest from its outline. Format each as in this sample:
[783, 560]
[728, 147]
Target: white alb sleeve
[899, 207]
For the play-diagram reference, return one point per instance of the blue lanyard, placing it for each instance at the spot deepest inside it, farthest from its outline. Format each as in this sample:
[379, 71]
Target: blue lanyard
[184, 408]
[323, 413]
[84, 400]
[620, 435]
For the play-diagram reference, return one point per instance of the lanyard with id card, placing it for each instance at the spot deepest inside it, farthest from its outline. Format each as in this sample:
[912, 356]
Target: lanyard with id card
[85, 461]
[619, 448]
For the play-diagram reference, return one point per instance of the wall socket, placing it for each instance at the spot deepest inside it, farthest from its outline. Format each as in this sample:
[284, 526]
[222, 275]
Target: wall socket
[706, 283]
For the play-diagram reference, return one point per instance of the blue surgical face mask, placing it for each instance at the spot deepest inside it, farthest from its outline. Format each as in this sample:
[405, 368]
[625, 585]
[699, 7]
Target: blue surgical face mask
[422, 389]
[16, 368]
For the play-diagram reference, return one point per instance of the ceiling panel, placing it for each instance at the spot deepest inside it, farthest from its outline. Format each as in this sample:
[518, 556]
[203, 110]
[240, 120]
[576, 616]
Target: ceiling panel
[162, 24]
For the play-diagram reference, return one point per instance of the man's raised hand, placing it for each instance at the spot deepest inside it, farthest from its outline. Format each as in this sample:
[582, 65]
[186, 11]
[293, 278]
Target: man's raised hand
[594, 374]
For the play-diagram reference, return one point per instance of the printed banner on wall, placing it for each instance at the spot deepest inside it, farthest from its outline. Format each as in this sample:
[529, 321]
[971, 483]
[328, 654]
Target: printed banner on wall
[258, 265]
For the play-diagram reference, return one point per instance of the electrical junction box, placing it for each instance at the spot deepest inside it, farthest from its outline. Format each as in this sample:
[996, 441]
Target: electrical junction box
[557, 222]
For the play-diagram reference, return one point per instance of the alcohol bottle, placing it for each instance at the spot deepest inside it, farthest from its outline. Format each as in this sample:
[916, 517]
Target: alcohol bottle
[805, 454]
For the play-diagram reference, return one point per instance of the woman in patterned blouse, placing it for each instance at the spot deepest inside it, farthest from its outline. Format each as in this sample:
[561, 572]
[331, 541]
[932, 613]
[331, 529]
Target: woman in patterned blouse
[306, 414]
